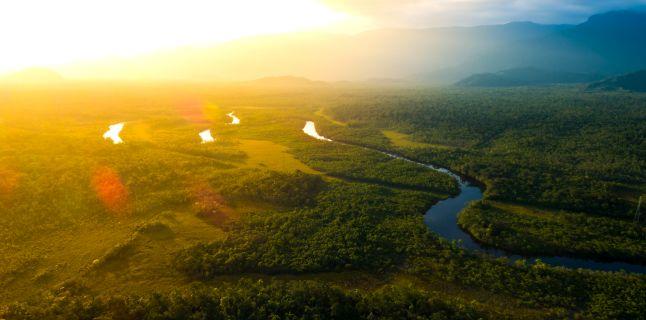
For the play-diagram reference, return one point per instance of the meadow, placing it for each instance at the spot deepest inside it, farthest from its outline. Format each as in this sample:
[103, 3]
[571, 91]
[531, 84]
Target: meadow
[269, 222]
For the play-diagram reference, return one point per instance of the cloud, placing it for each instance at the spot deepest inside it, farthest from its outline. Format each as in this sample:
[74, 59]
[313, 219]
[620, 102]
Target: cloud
[426, 13]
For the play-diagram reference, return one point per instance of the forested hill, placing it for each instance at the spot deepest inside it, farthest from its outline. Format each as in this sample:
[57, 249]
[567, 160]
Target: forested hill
[525, 77]
[609, 43]
[635, 81]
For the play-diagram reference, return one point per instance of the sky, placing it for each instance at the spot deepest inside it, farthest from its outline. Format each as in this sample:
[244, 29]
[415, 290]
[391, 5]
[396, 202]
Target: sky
[46, 33]
[437, 13]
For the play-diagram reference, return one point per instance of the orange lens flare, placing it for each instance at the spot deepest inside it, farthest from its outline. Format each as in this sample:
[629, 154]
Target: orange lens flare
[9, 180]
[193, 111]
[110, 190]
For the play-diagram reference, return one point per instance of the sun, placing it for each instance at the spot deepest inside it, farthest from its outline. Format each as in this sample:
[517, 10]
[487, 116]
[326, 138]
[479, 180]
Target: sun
[45, 33]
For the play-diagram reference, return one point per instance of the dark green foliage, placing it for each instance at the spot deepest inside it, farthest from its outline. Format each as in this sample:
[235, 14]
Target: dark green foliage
[358, 164]
[551, 147]
[599, 293]
[539, 234]
[353, 226]
[287, 189]
[254, 300]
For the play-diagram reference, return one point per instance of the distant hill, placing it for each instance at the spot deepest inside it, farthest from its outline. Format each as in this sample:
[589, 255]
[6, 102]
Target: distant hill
[610, 43]
[524, 77]
[285, 81]
[33, 75]
[635, 81]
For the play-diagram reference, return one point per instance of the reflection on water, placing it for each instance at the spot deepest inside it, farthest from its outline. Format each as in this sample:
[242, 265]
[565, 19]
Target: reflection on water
[310, 130]
[234, 119]
[113, 133]
[206, 136]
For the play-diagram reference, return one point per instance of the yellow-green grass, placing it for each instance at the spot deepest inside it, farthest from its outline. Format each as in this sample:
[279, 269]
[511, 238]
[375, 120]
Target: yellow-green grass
[51, 260]
[524, 210]
[271, 156]
[320, 113]
[403, 140]
[149, 265]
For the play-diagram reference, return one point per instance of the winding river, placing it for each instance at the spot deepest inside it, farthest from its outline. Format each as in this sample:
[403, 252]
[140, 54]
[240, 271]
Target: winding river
[442, 218]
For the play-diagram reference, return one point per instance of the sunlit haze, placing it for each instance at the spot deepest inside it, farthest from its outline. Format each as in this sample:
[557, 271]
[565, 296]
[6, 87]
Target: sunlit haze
[204, 40]
[47, 33]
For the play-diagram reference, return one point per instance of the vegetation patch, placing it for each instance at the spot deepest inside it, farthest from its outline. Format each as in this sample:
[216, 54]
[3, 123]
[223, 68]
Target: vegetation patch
[284, 189]
[256, 300]
[116, 256]
[403, 140]
[155, 229]
[340, 233]
[536, 232]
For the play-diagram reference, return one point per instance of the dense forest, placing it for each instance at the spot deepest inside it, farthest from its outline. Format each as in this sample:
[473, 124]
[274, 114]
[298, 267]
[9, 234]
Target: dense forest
[578, 155]
[526, 230]
[268, 222]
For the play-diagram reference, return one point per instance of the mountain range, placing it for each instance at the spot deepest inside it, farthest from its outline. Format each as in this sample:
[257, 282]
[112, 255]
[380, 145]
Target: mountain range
[609, 43]
[525, 77]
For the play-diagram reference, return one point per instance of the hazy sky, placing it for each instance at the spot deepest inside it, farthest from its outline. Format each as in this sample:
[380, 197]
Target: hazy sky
[46, 32]
[428, 13]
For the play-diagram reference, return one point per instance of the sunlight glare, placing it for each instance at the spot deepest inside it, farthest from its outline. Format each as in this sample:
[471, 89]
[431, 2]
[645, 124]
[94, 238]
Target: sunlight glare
[113, 133]
[310, 130]
[206, 136]
[48, 33]
[234, 119]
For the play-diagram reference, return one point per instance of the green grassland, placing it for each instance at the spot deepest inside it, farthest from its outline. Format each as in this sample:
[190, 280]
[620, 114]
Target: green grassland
[265, 222]
[402, 140]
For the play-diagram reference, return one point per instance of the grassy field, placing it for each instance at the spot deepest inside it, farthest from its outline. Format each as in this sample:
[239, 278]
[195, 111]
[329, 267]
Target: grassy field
[272, 156]
[57, 220]
[402, 140]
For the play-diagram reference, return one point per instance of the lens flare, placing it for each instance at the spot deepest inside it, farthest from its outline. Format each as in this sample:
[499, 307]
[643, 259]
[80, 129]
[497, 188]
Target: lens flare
[113, 133]
[193, 111]
[110, 190]
[310, 130]
[234, 119]
[206, 136]
[9, 180]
